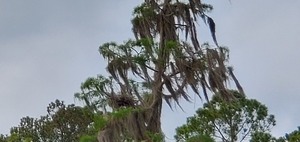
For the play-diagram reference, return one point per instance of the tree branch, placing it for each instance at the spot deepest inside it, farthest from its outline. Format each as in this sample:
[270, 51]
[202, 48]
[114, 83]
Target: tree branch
[247, 133]
[219, 131]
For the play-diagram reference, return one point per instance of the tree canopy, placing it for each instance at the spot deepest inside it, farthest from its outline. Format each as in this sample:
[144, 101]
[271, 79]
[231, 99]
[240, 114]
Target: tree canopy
[239, 119]
[293, 136]
[62, 123]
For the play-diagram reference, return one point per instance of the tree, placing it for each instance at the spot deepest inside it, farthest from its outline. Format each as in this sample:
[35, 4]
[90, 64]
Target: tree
[293, 136]
[265, 137]
[162, 63]
[229, 121]
[3, 138]
[62, 123]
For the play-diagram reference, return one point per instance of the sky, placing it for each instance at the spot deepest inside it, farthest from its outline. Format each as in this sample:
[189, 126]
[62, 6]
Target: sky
[47, 48]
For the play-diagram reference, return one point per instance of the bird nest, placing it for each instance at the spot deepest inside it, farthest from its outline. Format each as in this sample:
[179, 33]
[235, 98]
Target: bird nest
[122, 101]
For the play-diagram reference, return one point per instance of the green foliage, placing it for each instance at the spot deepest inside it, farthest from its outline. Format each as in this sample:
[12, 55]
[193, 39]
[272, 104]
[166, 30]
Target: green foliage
[294, 136]
[144, 11]
[102, 121]
[262, 137]
[121, 113]
[172, 45]
[62, 123]
[92, 93]
[200, 138]
[3, 138]
[14, 138]
[88, 138]
[99, 122]
[155, 137]
[228, 120]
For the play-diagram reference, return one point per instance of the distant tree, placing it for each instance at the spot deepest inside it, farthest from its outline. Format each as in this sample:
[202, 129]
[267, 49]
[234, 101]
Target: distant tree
[266, 137]
[239, 119]
[3, 138]
[69, 121]
[66, 123]
[293, 136]
[162, 63]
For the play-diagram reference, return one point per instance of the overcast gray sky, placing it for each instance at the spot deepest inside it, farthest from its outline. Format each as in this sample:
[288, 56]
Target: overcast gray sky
[47, 48]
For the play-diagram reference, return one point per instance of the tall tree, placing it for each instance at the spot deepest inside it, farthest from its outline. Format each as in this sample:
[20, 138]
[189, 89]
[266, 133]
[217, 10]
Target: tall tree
[162, 63]
[241, 119]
